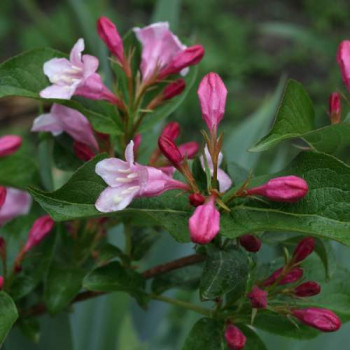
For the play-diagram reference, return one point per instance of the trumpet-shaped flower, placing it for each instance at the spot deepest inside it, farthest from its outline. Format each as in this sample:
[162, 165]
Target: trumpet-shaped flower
[224, 180]
[127, 180]
[64, 119]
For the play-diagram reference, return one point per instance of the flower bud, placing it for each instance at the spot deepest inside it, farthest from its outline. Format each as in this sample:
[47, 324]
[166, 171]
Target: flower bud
[307, 289]
[343, 59]
[321, 319]
[1, 282]
[41, 227]
[303, 249]
[107, 31]
[250, 243]
[2, 196]
[170, 150]
[83, 151]
[188, 57]
[258, 298]
[204, 224]
[291, 277]
[189, 149]
[9, 144]
[212, 95]
[335, 108]
[174, 89]
[2, 247]
[196, 199]
[282, 189]
[235, 338]
[171, 131]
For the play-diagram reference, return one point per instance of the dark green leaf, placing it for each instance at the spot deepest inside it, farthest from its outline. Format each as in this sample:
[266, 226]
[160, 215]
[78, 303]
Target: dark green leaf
[223, 271]
[143, 239]
[8, 315]
[108, 252]
[63, 155]
[253, 340]
[30, 327]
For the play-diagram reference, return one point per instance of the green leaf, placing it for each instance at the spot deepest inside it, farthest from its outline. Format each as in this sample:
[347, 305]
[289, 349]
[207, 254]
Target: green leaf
[143, 239]
[113, 277]
[18, 171]
[223, 271]
[199, 174]
[61, 286]
[324, 212]
[253, 340]
[108, 252]
[30, 327]
[8, 315]
[206, 334]
[294, 117]
[186, 278]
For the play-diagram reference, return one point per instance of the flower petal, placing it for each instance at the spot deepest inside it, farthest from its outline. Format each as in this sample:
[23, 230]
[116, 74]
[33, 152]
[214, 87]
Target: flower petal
[75, 54]
[54, 68]
[47, 122]
[110, 169]
[224, 181]
[129, 153]
[115, 198]
[64, 92]
[90, 65]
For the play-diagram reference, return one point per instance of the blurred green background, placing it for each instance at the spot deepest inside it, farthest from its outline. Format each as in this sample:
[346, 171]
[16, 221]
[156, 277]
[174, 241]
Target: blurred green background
[254, 45]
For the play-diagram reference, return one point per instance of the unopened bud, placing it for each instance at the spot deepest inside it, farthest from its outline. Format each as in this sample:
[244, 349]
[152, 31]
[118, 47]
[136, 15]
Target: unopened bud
[189, 149]
[322, 319]
[291, 277]
[3, 192]
[196, 199]
[1, 282]
[343, 55]
[170, 150]
[9, 144]
[235, 338]
[174, 89]
[303, 249]
[258, 298]
[282, 189]
[335, 108]
[307, 289]
[83, 151]
[107, 31]
[41, 227]
[250, 243]
[171, 131]
[2, 247]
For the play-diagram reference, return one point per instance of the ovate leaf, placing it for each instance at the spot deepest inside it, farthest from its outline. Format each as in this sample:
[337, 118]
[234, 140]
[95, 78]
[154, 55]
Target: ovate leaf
[8, 315]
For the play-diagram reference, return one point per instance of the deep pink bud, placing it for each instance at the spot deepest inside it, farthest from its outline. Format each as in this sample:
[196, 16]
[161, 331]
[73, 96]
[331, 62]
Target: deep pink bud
[196, 199]
[307, 289]
[107, 31]
[212, 95]
[174, 89]
[335, 108]
[1, 282]
[188, 57]
[235, 338]
[250, 243]
[204, 224]
[291, 277]
[170, 150]
[2, 248]
[189, 149]
[303, 249]
[83, 151]
[9, 144]
[2, 196]
[282, 189]
[258, 298]
[321, 319]
[137, 142]
[41, 227]
[171, 131]
[343, 59]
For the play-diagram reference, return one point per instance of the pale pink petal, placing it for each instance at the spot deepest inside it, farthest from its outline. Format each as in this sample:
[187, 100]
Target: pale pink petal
[64, 92]
[47, 122]
[111, 169]
[75, 54]
[168, 170]
[90, 65]
[129, 153]
[115, 198]
[53, 69]
[17, 203]
[224, 181]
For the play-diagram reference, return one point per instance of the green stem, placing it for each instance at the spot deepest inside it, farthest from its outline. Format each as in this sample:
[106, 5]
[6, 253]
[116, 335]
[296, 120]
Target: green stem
[183, 304]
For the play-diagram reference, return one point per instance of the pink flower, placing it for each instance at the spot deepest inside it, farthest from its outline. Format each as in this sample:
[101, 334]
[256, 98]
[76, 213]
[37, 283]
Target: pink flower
[343, 59]
[83, 151]
[170, 150]
[204, 224]
[40, 228]
[212, 95]
[305, 247]
[76, 76]
[174, 89]
[291, 277]
[258, 298]
[235, 338]
[171, 131]
[250, 243]
[2, 196]
[9, 144]
[108, 32]
[224, 180]
[1, 282]
[282, 189]
[64, 119]
[16, 203]
[127, 180]
[189, 149]
[307, 289]
[321, 319]
[196, 199]
[335, 108]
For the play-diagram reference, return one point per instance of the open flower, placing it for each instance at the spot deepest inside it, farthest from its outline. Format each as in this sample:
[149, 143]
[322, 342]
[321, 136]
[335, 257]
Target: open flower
[224, 180]
[16, 203]
[127, 180]
[76, 76]
[64, 119]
